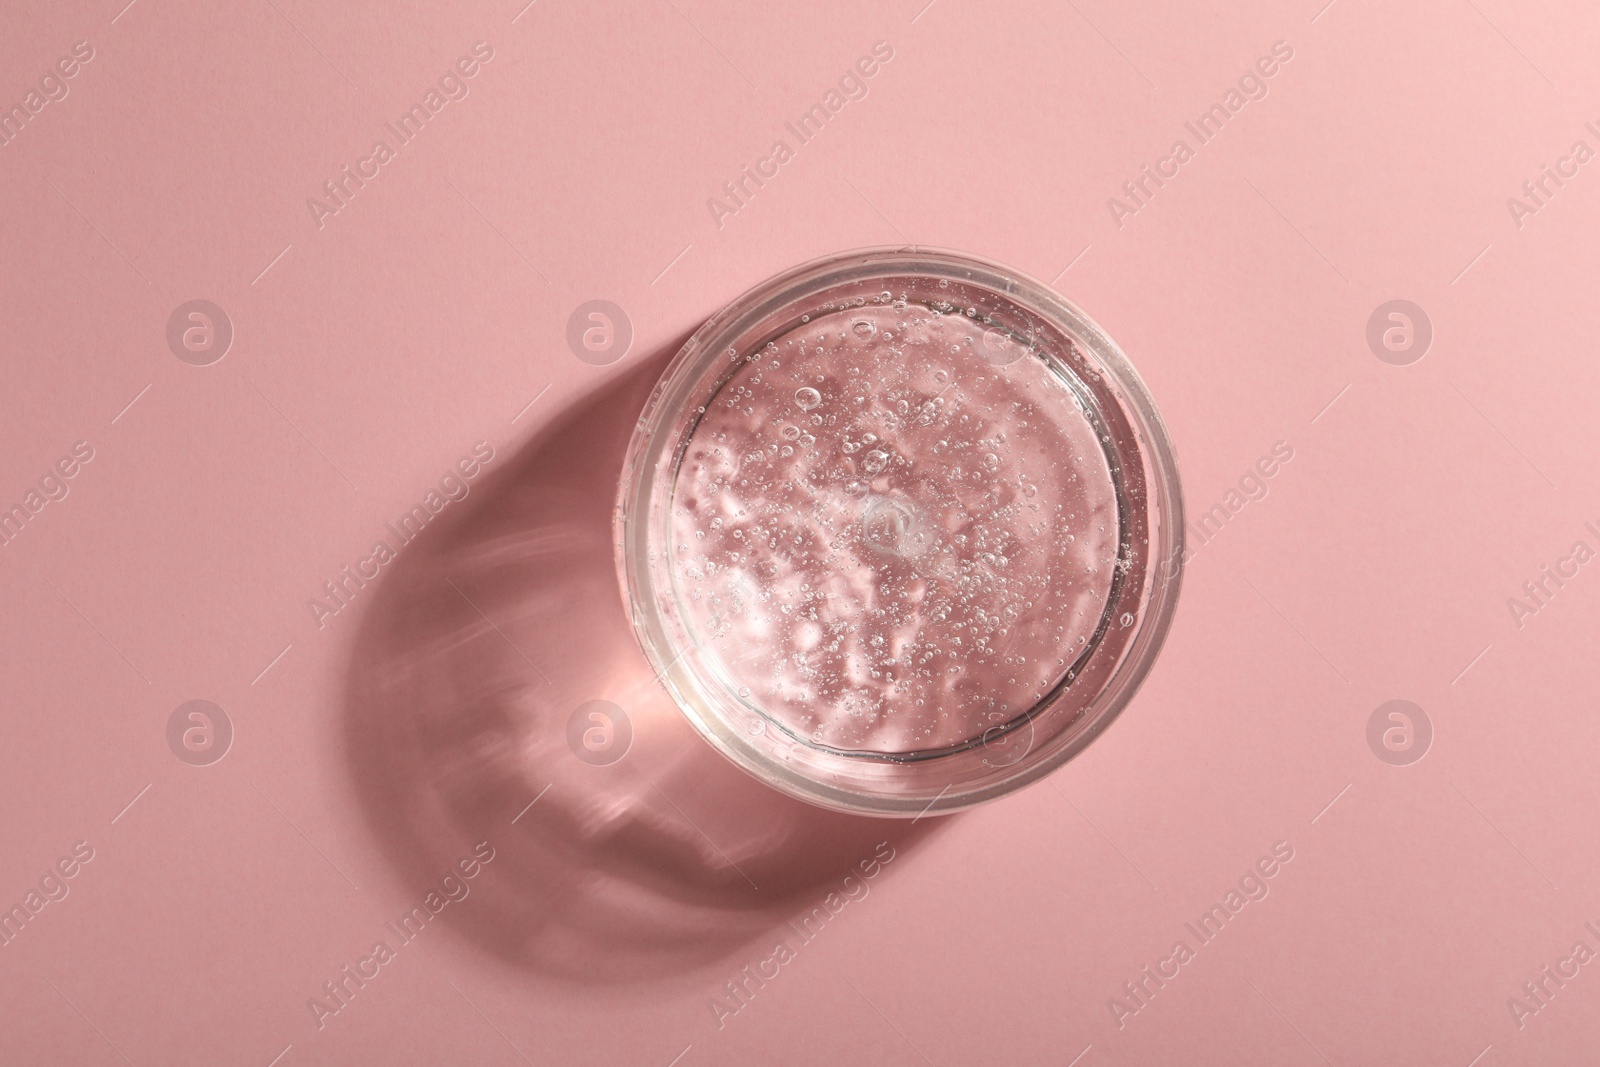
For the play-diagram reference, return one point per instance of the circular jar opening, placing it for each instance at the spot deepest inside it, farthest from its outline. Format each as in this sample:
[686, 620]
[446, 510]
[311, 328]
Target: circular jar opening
[900, 530]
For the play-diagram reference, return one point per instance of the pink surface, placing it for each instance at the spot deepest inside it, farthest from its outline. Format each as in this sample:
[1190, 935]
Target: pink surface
[178, 519]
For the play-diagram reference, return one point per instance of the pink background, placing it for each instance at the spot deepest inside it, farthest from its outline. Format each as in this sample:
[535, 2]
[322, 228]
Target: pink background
[369, 354]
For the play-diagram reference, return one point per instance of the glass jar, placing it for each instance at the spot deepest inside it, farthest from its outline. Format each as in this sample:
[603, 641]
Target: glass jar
[900, 530]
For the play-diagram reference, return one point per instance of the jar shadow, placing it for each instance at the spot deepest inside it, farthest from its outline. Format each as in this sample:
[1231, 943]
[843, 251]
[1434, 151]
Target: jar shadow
[624, 846]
